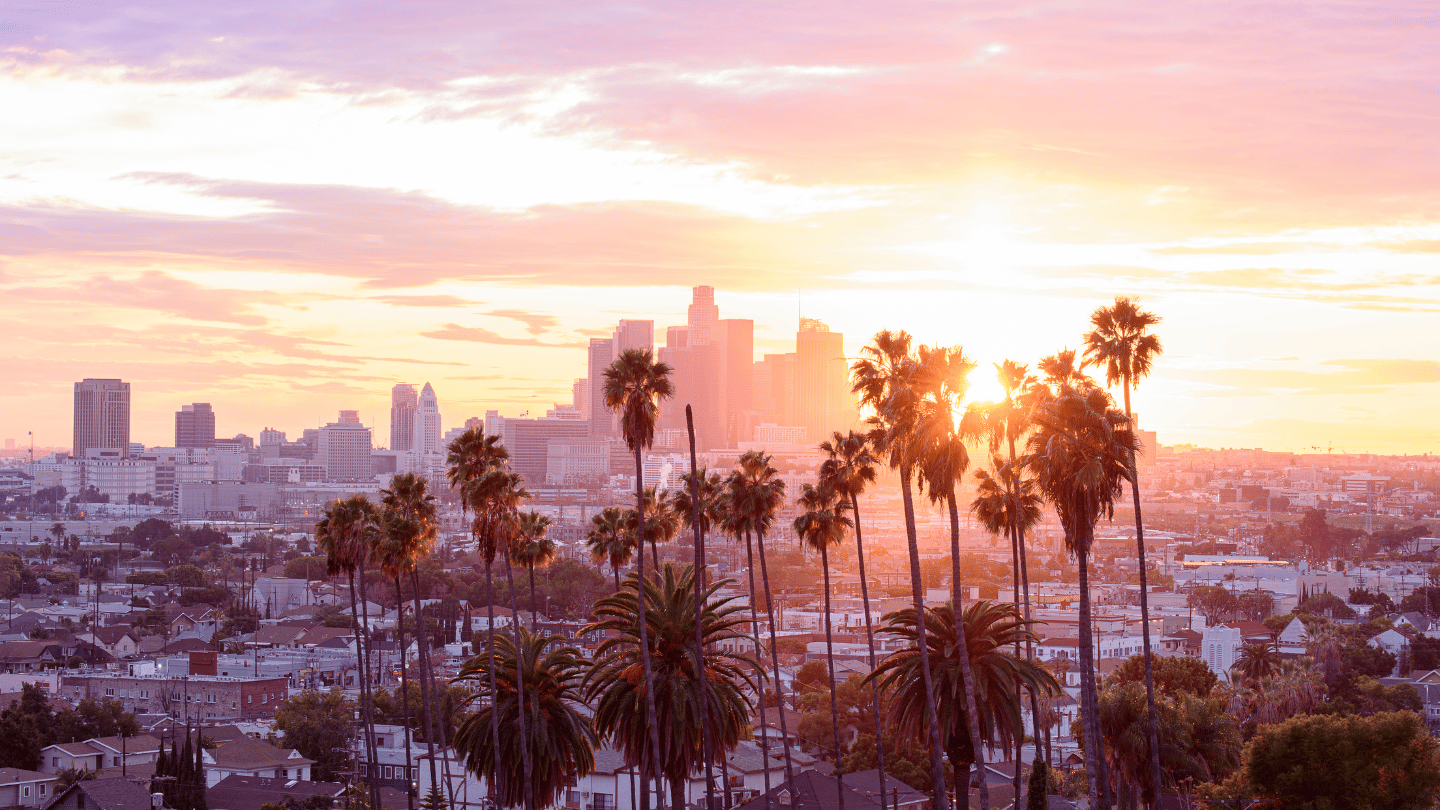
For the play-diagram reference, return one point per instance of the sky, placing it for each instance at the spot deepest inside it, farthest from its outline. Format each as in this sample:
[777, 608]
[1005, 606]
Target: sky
[285, 208]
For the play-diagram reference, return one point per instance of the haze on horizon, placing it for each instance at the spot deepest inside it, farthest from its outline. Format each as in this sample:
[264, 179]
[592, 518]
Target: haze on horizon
[282, 209]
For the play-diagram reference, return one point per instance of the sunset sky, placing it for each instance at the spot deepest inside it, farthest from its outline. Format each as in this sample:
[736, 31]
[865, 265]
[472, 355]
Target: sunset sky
[284, 208]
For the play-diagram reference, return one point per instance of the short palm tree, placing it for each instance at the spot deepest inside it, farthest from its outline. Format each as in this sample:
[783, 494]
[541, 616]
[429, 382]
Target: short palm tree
[997, 676]
[1121, 341]
[343, 534]
[756, 494]
[557, 722]
[635, 384]
[823, 524]
[1080, 453]
[885, 377]
[1256, 661]
[615, 688]
[410, 522]
[609, 541]
[849, 468]
[534, 548]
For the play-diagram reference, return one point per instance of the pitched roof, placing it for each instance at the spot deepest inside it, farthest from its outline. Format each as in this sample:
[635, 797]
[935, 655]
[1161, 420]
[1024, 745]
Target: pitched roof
[248, 755]
[74, 749]
[867, 784]
[139, 744]
[278, 634]
[114, 633]
[186, 645]
[117, 793]
[813, 790]
[322, 634]
[237, 792]
[10, 776]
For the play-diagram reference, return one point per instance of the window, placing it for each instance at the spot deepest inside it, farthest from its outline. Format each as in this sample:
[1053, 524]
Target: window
[25, 789]
[211, 698]
[144, 693]
[414, 774]
[55, 762]
[42, 790]
[116, 760]
[110, 691]
[364, 769]
[249, 699]
[234, 705]
[389, 772]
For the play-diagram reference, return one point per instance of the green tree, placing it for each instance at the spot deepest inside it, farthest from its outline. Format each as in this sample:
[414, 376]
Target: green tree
[1256, 661]
[614, 687]
[310, 568]
[172, 549]
[317, 724]
[635, 384]
[609, 542]
[1387, 760]
[1212, 601]
[534, 549]
[1173, 674]
[23, 729]
[557, 728]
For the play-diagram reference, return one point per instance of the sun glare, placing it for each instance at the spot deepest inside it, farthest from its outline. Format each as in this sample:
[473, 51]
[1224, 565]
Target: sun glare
[985, 384]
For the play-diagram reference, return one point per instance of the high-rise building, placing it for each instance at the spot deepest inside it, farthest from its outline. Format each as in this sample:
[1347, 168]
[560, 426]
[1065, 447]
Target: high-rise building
[737, 379]
[823, 402]
[580, 396]
[195, 426]
[102, 416]
[633, 334]
[344, 448]
[602, 354]
[425, 437]
[403, 403]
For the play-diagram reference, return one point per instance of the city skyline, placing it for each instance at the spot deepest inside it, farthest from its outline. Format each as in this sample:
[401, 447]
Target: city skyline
[229, 209]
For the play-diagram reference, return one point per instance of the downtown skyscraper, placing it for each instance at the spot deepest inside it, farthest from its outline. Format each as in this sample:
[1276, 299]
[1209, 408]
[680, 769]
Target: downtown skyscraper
[102, 416]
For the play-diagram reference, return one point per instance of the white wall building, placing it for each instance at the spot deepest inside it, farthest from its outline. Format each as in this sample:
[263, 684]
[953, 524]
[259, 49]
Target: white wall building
[1218, 648]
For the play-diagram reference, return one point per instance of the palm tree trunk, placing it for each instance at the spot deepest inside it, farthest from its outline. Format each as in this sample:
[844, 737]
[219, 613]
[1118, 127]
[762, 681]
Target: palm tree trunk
[937, 764]
[707, 750]
[422, 635]
[1013, 483]
[534, 619]
[650, 713]
[1013, 530]
[830, 656]
[972, 711]
[490, 666]
[367, 674]
[520, 689]
[755, 634]
[404, 690]
[1152, 727]
[870, 644]
[775, 663]
[1089, 705]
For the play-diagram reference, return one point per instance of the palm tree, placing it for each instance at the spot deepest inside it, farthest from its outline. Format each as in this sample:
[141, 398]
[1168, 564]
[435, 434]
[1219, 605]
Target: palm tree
[997, 678]
[756, 494]
[472, 456]
[494, 496]
[1323, 643]
[609, 541]
[410, 529]
[662, 521]
[343, 535]
[1121, 341]
[535, 549]
[700, 505]
[885, 379]
[1080, 453]
[943, 380]
[820, 526]
[849, 468]
[1256, 661]
[634, 385]
[614, 687]
[557, 725]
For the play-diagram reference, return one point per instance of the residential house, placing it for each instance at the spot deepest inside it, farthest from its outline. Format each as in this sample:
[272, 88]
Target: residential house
[248, 757]
[119, 641]
[196, 624]
[101, 754]
[250, 792]
[813, 790]
[30, 656]
[21, 788]
[116, 793]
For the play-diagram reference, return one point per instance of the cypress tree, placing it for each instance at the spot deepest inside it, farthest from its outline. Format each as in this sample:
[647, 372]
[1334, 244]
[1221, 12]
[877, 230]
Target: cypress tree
[185, 796]
[199, 775]
[1039, 784]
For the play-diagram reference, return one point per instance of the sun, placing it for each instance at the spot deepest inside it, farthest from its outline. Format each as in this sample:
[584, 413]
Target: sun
[985, 384]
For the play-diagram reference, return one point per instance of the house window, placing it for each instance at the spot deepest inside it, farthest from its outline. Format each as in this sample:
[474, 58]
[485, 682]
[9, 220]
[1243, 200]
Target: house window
[211, 698]
[364, 769]
[55, 762]
[414, 774]
[110, 692]
[389, 772]
[249, 699]
[116, 761]
[144, 693]
[25, 789]
[42, 790]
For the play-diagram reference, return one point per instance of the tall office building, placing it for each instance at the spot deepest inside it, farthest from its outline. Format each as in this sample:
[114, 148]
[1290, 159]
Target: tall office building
[823, 401]
[102, 416]
[195, 426]
[425, 436]
[633, 334]
[403, 403]
[737, 378]
[602, 354]
[344, 448]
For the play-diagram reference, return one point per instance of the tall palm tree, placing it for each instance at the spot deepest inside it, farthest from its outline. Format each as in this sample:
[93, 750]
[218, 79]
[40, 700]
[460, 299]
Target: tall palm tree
[662, 521]
[1120, 340]
[756, 494]
[849, 468]
[494, 496]
[609, 540]
[410, 529]
[943, 380]
[1000, 513]
[534, 549]
[614, 687]
[557, 722]
[1080, 453]
[997, 676]
[342, 534]
[885, 379]
[634, 385]
[471, 457]
[698, 505]
[823, 524]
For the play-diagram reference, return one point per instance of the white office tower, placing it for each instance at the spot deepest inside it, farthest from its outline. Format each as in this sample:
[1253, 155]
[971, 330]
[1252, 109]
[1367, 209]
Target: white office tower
[426, 435]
